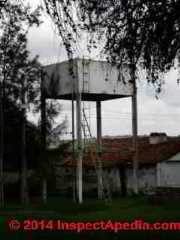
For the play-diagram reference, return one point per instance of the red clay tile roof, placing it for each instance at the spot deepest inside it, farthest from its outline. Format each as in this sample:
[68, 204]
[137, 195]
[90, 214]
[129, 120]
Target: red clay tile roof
[119, 151]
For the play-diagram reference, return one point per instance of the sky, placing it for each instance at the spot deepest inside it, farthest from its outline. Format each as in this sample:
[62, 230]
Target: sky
[154, 115]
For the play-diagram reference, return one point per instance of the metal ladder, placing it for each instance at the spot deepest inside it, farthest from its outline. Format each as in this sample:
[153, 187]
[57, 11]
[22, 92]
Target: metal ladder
[85, 123]
[106, 194]
[85, 126]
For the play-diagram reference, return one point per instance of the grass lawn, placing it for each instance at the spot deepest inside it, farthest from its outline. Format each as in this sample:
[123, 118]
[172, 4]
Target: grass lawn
[120, 209]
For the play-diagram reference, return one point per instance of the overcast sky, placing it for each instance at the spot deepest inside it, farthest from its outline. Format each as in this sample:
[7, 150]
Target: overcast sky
[162, 115]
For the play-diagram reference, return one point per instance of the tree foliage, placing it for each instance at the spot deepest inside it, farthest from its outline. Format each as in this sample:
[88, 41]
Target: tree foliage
[18, 71]
[16, 65]
[63, 15]
[140, 32]
[12, 138]
[21, 86]
[54, 130]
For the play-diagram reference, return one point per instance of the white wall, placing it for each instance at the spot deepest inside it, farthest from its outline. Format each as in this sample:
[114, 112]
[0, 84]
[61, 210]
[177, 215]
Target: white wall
[146, 179]
[168, 174]
[146, 176]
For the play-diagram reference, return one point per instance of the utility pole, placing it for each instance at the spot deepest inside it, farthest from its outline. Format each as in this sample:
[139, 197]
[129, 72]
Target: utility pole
[135, 132]
[99, 144]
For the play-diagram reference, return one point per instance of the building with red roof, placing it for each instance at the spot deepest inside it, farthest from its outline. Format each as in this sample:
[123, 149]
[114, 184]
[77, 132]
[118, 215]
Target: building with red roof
[158, 157]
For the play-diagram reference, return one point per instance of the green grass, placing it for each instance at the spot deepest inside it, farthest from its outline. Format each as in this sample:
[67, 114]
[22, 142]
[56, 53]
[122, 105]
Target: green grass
[121, 209]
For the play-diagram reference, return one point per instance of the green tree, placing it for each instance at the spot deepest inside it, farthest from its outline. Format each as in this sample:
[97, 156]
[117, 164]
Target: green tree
[49, 111]
[18, 73]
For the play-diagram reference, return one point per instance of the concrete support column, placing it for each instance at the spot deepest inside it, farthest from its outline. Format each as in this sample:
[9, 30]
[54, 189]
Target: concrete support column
[79, 170]
[135, 137]
[99, 145]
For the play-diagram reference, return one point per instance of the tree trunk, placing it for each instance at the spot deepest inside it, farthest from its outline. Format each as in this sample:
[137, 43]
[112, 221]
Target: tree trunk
[24, 188]
[1, 144]
[43, 139]
[44, 190]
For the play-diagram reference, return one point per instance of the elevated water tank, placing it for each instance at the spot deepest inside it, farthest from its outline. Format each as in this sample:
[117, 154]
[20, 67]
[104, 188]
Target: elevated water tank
[95, 80]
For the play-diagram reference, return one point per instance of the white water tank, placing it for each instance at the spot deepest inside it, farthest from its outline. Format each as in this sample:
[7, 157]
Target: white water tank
[95, 80]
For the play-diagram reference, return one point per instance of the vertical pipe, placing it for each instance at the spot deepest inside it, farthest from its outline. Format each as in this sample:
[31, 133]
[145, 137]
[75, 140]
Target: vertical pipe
[73, 144]
[99, 145]
[73, 154]
[79, 173]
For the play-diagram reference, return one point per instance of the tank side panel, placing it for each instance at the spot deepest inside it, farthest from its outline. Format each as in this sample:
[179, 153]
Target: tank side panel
[102, 78]
[58, 79]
